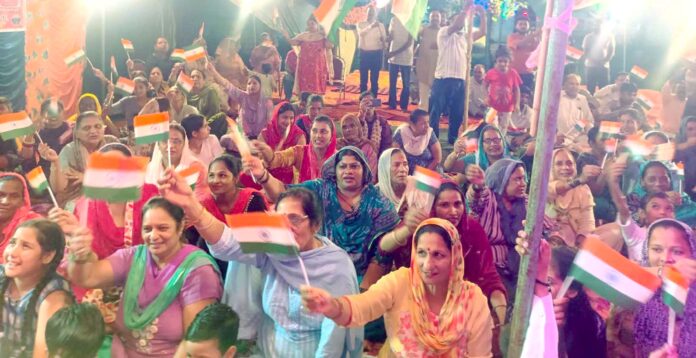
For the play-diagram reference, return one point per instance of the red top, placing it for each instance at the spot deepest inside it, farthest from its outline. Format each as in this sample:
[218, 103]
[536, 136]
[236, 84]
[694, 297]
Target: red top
[520, 50]
[500, 89]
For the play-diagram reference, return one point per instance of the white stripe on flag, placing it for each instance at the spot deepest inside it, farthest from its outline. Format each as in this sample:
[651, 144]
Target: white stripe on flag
[261, 234]
[435, 183]
[675, 290]
[612, 277]
[113, 179]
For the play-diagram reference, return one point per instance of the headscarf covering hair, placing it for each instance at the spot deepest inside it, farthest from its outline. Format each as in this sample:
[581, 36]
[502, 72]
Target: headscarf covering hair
[155, 168]
[384, 175]
[328, 170]
[498, 174]
[86, 96]
[681, 137]
[661, 134]
[22, 214]
[639, 190]
[272, 132]
[362, 134]
[552, 176]
[687, 231]
[312, 167]
[453, 315]
[481, 156]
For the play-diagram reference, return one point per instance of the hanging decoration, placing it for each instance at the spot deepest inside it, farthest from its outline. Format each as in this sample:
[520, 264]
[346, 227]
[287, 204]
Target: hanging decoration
[501, 9]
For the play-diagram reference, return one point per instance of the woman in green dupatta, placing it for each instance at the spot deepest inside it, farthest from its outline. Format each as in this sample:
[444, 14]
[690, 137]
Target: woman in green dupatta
[166, 282]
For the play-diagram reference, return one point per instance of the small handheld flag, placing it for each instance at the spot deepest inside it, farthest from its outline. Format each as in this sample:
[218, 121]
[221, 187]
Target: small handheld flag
[194, 53]
[14, 125]
[639, 72]
[610, 145]
[581, 125]
[675, 288]
[178, 55]
[75, 57]
[680, 170]
[125, 86]
[427, 183]
[184, 82]
[127, 45]
[190, 174]
[471, 145]
[644, 102]
[114, 178]
[609, 128]
[151, 128]
[574, 53]
[37, 180]
[638, 146]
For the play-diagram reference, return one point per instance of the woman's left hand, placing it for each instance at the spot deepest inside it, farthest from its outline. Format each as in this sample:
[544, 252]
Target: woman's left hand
[175, 189]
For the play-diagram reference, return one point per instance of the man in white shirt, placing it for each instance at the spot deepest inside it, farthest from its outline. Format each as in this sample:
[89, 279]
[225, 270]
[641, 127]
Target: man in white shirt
[478, 95]
[573, 109]
[400, 58]
[610, 93]
[372, 39]
[599, 50]
[447, 93]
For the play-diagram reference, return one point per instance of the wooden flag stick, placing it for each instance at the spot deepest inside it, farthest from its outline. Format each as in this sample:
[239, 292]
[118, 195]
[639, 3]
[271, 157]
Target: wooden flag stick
[566, 285]
[671, 325]
[53, 197]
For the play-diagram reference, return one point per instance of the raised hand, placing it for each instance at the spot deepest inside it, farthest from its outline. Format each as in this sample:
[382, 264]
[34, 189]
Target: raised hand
[253, 165]
[475, 175]
[47, 153]
[175, 189]
[79, 243]
[316, 300]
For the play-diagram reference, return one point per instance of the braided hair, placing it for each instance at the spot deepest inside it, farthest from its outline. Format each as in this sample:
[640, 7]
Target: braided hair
[51, 239]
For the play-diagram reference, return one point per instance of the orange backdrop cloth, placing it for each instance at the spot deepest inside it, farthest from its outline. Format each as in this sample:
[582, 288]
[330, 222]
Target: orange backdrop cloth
[55, 29]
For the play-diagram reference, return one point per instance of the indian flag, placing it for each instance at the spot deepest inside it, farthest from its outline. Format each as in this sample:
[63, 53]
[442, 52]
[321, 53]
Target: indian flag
[638, 146]
[178, 55]
[330, 15]
[410, 13]
[114, 178]
[610, 145]
[609, 128]
[75, 57]
[645, 102]
[190, 174]
[640, 72]
[14, 125]
[184, 82]
[263, 233]
[471, 145]
[675, 288]
[114, 69]
[427, 180]
[151, 128]
[612, 276]
[680, 170]
[574, 53]
[127, 45]
[193, 54]
[581, 125]
[37, 179]
[125, 86]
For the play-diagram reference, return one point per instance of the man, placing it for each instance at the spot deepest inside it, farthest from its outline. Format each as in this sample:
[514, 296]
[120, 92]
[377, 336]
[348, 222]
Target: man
[447, 93]
[378, 130]
[521, 43]
[75, 331]
[628, 92]
[55, 132]
[160, 57]
[477, 98]
[400, 58]
[598, 46]
[372, 39]
[610, 93]
[573, 109]
[426, 57]
[213, 333]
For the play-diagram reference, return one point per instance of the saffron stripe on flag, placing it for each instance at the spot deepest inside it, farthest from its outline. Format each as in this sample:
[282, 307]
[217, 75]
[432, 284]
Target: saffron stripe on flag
[608, 292]
[629, 268]
[150, 119]
[111, 162]
[37, 179]
[14, 125]
[675, 289]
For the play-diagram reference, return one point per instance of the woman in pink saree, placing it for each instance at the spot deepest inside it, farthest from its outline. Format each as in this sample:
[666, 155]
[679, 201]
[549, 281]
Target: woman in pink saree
[312, 71]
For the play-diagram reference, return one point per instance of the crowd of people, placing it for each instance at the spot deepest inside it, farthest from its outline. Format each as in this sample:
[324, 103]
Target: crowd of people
[166, 276]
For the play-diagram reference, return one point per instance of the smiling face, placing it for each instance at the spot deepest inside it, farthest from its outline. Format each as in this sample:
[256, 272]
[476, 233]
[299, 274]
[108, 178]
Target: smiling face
[285, 119]
[398, 169]
[299, 222]
[517, 184]
[449, 205]
[24, 256]
[349, 173]
[433, 259]
[667, 245]
[91, 131]
[492, 143]
[320, 135]
[220, 179]
[161, 233]
[564, 165]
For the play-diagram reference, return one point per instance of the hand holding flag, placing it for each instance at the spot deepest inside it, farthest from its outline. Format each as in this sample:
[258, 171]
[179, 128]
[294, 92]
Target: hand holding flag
[114, 178]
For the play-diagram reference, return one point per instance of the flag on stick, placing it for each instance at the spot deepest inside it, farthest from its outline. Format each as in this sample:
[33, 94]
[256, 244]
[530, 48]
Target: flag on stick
[609, 128]
[639, 72]
[427, 182]
[680, 170]
[114, 69]
[612, 276]
[194, 53]
[114, 178]
[610, 145]
[127, 45]
[581, 125]
[125, 86]
[410, 13]
[574, 53]
[675, 288]
[190, 174]
[261, 232]
[330, 15]
[151, 128]
[75, 57]
[14, 125]
[644, 102]
[184, 82]
[178, 55]
[471, 145]
[37, 179]
[638, 146]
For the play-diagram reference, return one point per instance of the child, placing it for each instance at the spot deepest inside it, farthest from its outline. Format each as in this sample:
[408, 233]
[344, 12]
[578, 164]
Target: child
[503, 87]
[520, 119]
[75, 331]
[213, 333]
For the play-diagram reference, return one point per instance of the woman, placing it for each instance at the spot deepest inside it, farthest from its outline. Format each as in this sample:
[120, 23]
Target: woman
[570, 200]
[255, 107]
[287, 330]
[265, 53]
[175, 153]
[16, 206]
[394, 247]
[429, 309]
[178, 108]
[312, 70]
[306, 159]
[88, 102]
[419, 142]
[686, 153]
[670, 243]
[166, 282]
[30, 289]
[356, 212]
[204, 146]
[280, 134]
[426, 58]
[68, 168]
[491, 147]
[392, 174]
[203, 96]
[353, 134]
[229, 64]
[157, 82]
[131, 105]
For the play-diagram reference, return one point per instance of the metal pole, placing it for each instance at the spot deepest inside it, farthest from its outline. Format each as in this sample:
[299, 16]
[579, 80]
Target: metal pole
[470, 59]
[550, 98]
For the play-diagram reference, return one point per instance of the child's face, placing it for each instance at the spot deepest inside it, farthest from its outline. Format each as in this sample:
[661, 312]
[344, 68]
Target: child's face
[502, 64]
[658, 208]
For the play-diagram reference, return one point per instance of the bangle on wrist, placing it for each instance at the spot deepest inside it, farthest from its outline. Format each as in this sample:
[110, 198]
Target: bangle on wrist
[336, 302]
[267, 177]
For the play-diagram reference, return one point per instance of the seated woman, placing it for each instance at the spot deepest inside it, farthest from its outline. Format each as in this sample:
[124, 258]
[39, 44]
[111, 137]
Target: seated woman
[280, 134]
[306, 159]
[204, 146]
[157, 83]
[429, 309]
[392, 174]
[178, 106]
[287, 329]
[166, 282]
[16, 207]
[670, 243]
[419, 142]
[491, 147]
[130, 105]
[68, 168]
[203, 96]
[31, 289]
[569, 202]
[88, 102]
[686, 153]
[354, 135]
[356, 212]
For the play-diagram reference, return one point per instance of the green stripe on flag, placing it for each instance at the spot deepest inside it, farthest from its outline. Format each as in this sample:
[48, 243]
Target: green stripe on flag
[267, 247]
[114, 195]
[426, 188]
[43, 186]
[15, 133]
[159, 137]
[673, 302]
[342, 13]
[414, 21]
[602, 288]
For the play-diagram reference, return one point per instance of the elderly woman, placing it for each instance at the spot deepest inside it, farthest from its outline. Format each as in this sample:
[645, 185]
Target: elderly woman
[392, 172]
[429, 309]
[203, 96]
[354, 134]
[419, 142]
[491, 147]
[178, 107]
[356, 212]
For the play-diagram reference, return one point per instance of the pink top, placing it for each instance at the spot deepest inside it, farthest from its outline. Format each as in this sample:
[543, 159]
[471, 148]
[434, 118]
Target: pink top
[501, 89]
[162, 337]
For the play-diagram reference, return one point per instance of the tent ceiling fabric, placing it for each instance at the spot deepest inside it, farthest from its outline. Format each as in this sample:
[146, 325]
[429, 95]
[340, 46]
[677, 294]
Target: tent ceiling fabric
[292, 14]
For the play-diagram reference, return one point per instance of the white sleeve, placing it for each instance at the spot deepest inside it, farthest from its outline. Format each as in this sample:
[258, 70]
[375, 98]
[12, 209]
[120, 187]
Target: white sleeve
[541, 320]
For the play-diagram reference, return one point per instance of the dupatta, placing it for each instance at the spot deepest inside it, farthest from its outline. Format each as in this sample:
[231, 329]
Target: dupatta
[311, 165]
